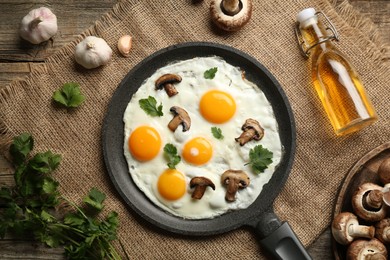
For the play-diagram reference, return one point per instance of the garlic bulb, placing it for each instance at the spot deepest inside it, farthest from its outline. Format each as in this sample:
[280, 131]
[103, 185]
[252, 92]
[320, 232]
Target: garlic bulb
[38, 25]
[92, 52]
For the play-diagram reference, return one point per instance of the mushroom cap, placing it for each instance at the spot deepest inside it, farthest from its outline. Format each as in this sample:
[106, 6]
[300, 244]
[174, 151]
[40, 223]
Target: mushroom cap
[201, 181]
[255, 125]
[382, 230]
[230, 22]
[384, 171]
[240, 176]
[359, 207]
[167, 78]
[364, 249]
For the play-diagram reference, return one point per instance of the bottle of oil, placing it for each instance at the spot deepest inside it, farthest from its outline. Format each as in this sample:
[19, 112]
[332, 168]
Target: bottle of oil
[337, 84]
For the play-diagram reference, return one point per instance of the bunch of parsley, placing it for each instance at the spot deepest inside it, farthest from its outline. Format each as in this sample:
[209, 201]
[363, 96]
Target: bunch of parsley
[32, 207]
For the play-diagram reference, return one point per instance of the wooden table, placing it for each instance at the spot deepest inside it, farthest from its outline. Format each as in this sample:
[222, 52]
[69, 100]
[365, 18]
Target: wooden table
[18, 58]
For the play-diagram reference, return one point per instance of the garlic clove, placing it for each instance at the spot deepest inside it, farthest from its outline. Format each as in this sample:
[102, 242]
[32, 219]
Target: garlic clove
[124, 45]
[38, 25]
[92, 52]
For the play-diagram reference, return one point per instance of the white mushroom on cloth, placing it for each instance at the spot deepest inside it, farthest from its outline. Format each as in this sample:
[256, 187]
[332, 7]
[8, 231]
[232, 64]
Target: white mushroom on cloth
[382, 231]
[231, 15]
[366, 249]
[367, 202]
[346, 228]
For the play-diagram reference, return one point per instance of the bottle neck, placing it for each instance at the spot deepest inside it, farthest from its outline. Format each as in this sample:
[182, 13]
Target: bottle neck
[315, 34]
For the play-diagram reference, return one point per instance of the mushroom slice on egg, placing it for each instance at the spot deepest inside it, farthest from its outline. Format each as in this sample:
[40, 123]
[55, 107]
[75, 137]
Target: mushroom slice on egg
[166, 81]
[234, 180]
[252, 130]
[200, 184]
[180, 117]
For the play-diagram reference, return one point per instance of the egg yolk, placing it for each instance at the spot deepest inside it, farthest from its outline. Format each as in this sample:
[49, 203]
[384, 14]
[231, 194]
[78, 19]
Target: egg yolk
[144, 143]
[217, 106]
[197, 151]
[171, 184]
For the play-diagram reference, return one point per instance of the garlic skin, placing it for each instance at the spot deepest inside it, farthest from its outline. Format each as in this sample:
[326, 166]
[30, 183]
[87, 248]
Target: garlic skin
[92, 52]
[38, 25]
[124, 45]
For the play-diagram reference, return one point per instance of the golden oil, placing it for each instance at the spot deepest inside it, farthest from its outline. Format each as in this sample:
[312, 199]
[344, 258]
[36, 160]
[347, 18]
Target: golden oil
[336, 82]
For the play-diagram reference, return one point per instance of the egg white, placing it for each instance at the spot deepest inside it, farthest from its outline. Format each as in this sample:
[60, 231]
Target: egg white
[227, 153]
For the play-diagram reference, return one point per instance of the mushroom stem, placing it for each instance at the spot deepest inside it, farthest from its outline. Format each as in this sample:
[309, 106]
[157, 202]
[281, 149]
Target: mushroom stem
[170, 89]
[231, 7]
[374, 199]
[232, 188]
[198, 192]
[360, 231]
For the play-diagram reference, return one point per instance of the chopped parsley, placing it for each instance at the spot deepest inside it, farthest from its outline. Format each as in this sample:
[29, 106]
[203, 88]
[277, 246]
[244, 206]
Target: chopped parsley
[210, 73]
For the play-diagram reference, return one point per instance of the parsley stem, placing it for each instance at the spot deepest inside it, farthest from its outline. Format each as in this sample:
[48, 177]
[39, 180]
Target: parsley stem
[75, 206]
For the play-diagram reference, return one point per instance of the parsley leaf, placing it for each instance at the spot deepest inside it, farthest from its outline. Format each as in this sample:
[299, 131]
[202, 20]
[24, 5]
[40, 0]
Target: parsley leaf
[217, 132]
[170, 153]
[21, 147]
[149, 105]
[260, 158]
[69, 95]
[210, 73]
[95, 199]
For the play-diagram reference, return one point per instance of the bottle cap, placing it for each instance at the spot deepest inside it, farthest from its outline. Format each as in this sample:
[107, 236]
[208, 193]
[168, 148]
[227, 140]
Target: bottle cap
[307, 17]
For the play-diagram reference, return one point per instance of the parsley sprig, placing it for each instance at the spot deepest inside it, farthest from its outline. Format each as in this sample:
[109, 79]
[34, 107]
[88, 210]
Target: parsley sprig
[259, 158]
[170, 152]
[149, 105]
[30, 206]
[69, 95]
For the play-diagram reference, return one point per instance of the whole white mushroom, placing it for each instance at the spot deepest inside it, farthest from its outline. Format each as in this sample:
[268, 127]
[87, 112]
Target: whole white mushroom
[92, 52]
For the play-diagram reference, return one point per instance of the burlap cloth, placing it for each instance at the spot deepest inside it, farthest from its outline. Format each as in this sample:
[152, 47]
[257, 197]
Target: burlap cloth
[321, 160]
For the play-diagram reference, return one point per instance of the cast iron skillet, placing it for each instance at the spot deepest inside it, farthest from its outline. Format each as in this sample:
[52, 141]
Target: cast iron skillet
[276, 236]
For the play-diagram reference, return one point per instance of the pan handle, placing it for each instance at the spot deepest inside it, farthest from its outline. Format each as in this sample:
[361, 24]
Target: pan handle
[279, 239]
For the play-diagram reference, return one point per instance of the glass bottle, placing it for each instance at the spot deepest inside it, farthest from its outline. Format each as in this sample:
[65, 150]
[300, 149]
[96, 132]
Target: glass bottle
[336, 82]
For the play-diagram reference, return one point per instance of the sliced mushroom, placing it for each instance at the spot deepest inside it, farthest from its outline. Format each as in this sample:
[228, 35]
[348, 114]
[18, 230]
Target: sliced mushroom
[367, 249]
[367, 202]
[231, 15]
[345, 228]
[166, 81]
[234, 180]
[382, 230]
[251, 131]
[200, 184]
[180, 117]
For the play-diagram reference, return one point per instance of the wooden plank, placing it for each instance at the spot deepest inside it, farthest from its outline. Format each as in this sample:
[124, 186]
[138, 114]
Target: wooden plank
[379, 12]
[24, 249]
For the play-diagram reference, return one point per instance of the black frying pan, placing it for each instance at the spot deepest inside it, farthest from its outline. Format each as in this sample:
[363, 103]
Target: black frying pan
[276, 236]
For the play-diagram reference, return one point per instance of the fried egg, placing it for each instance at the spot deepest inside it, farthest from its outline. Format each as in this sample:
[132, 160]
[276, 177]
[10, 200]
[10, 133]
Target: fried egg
[225, 101]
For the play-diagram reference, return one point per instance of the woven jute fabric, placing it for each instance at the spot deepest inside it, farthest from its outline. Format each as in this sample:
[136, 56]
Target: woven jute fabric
[321, 160]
